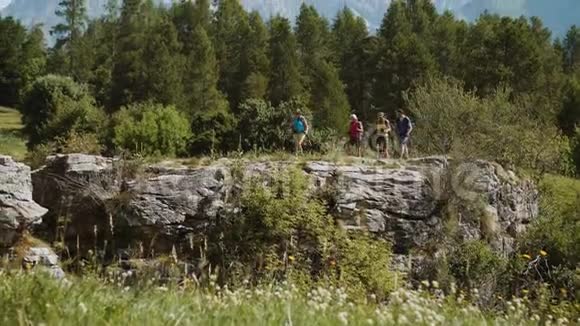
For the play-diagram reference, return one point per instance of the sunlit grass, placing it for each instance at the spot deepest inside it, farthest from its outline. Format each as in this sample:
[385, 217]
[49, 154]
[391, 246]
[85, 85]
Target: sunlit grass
[11, 141]
[34, 299]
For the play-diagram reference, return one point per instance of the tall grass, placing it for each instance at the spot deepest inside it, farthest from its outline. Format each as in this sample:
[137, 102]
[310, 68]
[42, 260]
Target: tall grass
[34, 299]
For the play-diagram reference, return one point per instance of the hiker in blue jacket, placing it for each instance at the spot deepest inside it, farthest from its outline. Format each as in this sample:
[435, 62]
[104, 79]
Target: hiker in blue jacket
[299, 129]
[404, 129]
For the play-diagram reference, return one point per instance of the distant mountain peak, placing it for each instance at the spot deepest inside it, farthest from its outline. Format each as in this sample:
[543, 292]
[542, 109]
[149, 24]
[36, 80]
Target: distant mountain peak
[558, 15]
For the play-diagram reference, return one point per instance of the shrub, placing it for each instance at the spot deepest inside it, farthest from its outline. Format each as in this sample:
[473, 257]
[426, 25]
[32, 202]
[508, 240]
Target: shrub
[37, 156]
[452, 121]
[265, 127]
[473, 264]
[258, 125]
[283, 233]
[54, 106]
[557, 233]
[557, 230]
[78, 143]
[213, 131]
[151, 129]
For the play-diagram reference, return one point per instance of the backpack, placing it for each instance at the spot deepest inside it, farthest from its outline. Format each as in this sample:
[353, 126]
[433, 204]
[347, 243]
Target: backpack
[405, 122]
[298, 125]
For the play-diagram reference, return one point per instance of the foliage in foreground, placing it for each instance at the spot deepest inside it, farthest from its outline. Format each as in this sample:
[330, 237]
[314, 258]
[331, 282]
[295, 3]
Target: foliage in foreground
[282, 232]
[34, 299]
[557, 233]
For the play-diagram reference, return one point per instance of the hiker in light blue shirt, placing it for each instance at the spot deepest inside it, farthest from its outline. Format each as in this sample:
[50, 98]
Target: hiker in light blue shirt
[299, 130]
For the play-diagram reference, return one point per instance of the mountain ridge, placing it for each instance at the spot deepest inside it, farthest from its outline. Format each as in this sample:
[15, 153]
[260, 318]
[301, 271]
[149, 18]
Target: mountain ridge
[558, 15]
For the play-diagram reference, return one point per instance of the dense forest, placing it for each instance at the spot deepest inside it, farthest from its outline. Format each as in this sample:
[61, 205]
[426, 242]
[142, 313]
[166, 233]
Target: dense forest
[189, 79]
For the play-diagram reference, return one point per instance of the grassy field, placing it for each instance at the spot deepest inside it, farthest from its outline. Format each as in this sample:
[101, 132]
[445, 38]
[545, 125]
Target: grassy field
[37, 300]
[11, 141]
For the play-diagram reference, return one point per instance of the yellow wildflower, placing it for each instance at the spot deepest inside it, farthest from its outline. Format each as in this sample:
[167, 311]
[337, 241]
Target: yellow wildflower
[526, 256]
[291, 258]
[525, 291]
[543, 253]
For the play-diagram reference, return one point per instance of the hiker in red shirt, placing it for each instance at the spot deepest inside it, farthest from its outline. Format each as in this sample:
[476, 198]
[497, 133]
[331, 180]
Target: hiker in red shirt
[356, 132]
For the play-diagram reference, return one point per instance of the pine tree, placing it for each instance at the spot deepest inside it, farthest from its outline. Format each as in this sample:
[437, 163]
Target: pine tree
[33, 58]
[201, 78]
[404, 57]
[12, 36]
[327, 97]
[571, 48]
[69, 36]
[186, 16]
[164, 64]
[285, 80]
[350, 49]
[230, 27]
[255, 63]
[514, 53]
[313, 36]
[103, 34]
[206, 107]
[348, 31]
[448, 37]
[128, 66]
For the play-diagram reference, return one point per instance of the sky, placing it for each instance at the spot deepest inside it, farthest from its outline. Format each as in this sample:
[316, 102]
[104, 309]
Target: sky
[4, 3]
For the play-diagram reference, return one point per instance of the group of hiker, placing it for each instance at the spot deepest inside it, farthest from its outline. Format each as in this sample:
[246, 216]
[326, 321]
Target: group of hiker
[356, 131]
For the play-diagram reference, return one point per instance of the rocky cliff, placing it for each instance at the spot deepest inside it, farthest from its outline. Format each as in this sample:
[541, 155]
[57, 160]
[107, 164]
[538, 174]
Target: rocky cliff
[106, 203]
[17, 209]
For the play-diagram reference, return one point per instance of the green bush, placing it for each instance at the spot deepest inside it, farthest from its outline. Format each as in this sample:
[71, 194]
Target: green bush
[473, 264]
[283, 233]
[213, 131]
[557, 230]
[265, 127]
[37, 156]
[79, 143]
[54, 106]
[557, 233]
[261, 125]
[499, 128]
[151, 129]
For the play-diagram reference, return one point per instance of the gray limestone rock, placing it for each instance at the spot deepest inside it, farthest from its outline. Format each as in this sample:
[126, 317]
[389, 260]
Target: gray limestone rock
[18, 210]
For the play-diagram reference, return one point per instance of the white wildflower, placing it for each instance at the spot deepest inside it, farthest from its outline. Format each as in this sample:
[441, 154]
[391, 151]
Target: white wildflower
[343, 317]
[83, 308]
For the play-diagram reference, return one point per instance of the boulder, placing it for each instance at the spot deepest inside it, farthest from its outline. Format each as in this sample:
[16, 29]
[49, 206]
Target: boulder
[18, 210]
[43, 258]
[76, 189]
[164, 207]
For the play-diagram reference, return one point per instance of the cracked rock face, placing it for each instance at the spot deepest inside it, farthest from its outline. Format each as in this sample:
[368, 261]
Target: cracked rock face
[75, 188]
[407, 203]
[18, 210]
